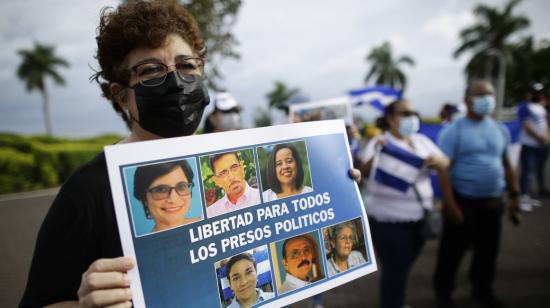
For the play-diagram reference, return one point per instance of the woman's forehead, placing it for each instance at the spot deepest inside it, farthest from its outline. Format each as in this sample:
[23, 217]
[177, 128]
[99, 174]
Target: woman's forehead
[174, 46]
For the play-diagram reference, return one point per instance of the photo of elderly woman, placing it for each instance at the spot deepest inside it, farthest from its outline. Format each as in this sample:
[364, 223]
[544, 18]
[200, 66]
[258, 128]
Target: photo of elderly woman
[162, 196]
[346, 246]
[285, 170]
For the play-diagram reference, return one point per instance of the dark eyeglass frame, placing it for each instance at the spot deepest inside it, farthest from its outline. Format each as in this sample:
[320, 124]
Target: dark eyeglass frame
[181, 188]
[156, 81]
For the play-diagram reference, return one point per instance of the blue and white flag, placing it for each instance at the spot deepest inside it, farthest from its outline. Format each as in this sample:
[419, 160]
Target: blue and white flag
[263, 271]
[377, 96]
[397, 168]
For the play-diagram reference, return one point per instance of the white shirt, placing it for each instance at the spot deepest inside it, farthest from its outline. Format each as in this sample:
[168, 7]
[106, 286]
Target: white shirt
[270, 195]
[535, 114]
[250, 197]
[292, 283]
[355, 258]
[390, 205]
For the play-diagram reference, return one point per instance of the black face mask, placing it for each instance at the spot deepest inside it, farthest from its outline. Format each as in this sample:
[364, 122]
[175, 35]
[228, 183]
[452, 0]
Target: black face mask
[173, 108]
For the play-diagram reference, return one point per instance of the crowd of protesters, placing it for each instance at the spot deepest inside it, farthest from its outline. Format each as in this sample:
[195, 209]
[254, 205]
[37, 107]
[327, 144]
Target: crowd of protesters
[469, 157]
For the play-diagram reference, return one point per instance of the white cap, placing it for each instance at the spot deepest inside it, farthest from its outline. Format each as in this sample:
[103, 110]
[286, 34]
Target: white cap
[225, 101]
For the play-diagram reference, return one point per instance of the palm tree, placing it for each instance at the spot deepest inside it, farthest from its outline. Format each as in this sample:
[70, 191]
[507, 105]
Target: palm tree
[280, 95]
[36, 65]
[385, 68]
[490, 36]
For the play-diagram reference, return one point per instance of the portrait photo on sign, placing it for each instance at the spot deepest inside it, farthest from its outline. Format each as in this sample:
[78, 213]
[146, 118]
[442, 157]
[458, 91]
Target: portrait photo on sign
[230, 181]
[344, 246]
[163, 195]
[284, 169]
[297, 262]
[245, 279]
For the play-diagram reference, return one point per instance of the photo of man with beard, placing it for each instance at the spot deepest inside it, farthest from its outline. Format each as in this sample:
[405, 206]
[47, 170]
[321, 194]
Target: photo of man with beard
[229, 176]
[300, 260]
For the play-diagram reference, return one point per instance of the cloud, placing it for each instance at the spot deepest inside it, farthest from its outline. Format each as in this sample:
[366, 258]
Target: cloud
[447, 25]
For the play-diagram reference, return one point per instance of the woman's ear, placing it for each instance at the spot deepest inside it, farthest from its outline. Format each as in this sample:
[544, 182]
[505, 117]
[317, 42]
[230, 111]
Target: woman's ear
[119, 95]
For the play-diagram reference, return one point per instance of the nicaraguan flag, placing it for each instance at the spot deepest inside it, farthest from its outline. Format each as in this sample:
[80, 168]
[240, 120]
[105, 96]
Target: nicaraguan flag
[397, 168]
[263, 271]
[377, 96]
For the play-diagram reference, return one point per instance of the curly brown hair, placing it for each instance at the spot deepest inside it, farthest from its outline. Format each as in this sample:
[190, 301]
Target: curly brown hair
[137, 24]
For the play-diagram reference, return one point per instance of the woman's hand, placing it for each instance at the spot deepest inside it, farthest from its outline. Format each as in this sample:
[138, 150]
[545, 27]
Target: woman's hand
[355, 174]
[106, 283]
[454, 214]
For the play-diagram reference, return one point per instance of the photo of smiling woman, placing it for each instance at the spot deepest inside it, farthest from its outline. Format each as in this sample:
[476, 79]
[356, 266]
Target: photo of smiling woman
[346, 249]
[286, 172]
[165, 193]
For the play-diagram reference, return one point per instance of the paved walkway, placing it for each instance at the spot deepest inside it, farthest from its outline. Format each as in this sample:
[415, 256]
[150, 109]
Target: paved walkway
[523, 278]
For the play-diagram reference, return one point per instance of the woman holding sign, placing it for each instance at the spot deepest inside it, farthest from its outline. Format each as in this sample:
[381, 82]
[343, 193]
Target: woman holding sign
[285, 173]
[151, 70]
[398, 194]
[165, 192]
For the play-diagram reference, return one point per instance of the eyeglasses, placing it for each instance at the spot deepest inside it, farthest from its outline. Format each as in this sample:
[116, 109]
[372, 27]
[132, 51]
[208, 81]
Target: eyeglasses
[407, 113]
[162, 192]
[225, 172]
[152, 74]
[296, 253]
[345, 238]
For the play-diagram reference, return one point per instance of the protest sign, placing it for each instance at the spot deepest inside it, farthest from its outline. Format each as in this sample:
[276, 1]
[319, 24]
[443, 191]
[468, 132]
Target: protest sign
[329, 109]
[250, 217]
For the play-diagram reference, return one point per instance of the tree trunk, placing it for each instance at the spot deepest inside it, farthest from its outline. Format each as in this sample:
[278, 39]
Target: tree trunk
[46, 111]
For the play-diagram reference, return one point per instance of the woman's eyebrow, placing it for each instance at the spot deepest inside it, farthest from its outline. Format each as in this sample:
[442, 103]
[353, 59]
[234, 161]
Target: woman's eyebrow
[183, 57]
[147, 60]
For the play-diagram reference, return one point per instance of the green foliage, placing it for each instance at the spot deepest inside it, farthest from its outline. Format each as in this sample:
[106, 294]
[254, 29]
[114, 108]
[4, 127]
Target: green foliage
[215, 19]
[385, 69]
[36, 65]
[263, 158]
[490, 38]
[37, 162]
[262, 118]
[279, 96]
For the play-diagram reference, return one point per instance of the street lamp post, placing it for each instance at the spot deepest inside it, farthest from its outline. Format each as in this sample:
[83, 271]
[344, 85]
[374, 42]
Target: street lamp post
[501, 82]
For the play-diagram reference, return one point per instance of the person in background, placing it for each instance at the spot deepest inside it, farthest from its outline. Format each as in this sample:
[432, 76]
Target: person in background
[476, 145]
[534, 139]
[395, 216]
[448, 113]
[226, 115]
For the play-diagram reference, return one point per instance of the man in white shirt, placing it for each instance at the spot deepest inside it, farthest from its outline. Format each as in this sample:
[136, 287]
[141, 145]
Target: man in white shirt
[299, 263]
[230, 176]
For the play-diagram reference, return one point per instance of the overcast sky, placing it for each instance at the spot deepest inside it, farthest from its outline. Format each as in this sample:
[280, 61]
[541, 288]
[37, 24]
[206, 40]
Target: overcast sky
[316, 46]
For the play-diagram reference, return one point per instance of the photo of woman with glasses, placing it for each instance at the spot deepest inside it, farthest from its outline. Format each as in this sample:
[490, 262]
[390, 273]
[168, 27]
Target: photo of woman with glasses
[165, 192]
[285, 172]
[343, 238]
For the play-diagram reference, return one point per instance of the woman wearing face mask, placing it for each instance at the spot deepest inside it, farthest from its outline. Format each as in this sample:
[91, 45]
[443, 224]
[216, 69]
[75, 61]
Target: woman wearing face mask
[151, 58]
[395, 216]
